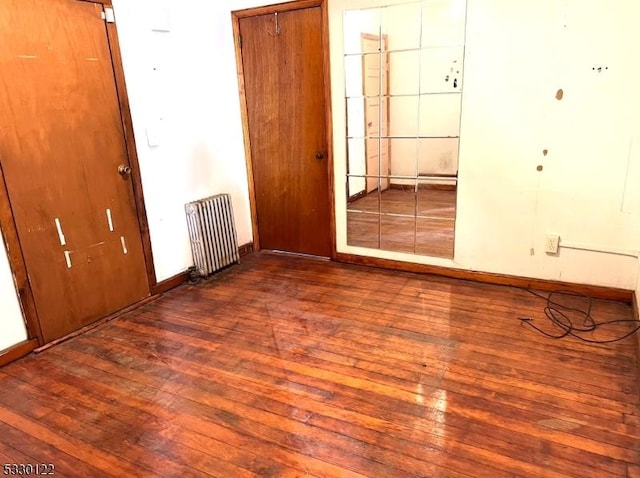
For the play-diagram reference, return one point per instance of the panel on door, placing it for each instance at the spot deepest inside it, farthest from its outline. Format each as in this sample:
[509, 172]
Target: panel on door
[284, 88]
[61, 147]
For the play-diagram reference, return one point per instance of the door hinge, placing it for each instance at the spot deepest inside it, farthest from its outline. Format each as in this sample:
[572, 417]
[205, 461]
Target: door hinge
[108, 15]
[240, 41]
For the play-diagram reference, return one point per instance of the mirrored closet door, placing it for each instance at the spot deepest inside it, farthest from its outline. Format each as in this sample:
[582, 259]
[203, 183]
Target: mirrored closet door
[403, 80]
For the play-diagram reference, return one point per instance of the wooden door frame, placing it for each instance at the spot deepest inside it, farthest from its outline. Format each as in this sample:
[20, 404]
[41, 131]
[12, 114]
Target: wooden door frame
[7, 221]
[236, 16]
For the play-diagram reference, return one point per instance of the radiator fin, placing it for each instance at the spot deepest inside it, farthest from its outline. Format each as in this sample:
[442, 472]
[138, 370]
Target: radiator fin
[212, 232]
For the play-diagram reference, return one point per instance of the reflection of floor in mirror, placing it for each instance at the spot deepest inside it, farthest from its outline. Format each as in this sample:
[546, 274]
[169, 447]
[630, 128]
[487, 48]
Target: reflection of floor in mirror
[399, 220]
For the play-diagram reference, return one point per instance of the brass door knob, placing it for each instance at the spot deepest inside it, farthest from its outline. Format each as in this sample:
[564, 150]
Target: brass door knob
[124, 170]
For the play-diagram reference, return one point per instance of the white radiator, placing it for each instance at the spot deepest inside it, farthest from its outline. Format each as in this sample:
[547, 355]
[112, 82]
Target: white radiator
[212, 232]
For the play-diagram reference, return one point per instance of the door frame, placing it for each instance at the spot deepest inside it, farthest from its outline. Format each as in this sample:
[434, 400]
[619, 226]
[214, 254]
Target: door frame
[266, 10]
[8, 225]
[383, 55]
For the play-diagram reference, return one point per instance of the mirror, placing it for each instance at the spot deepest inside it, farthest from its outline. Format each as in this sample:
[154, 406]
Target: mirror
[403, 86]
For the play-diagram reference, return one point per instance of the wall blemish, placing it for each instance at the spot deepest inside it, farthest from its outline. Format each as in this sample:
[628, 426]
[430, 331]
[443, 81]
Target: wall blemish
[559, 94]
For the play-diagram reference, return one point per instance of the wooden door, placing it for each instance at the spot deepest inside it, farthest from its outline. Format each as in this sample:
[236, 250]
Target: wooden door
[61, 146]
[282, 61]
[375, 87]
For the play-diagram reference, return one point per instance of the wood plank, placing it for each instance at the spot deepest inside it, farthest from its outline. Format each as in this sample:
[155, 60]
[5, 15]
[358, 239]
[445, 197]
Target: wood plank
[402, 219]
[182, 458]
[267, 402]
[387, 389]
[464, 375]
[289, 366]
[269, 395]
[28, 449]
[17, 351]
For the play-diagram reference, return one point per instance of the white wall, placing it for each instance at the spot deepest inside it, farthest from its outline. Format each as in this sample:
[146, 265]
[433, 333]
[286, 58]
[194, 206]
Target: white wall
[12, 328]
[363, 21]
[190, 100]
[518, 54]
[638, 289]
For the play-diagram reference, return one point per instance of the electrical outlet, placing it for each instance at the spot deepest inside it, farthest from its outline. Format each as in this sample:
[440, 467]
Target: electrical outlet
[551, 243]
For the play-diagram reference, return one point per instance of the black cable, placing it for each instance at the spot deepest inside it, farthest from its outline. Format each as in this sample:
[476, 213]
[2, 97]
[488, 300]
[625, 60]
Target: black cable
[557, 313]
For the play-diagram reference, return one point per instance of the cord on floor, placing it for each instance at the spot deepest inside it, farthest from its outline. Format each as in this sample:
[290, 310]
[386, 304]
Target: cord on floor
[558, 314]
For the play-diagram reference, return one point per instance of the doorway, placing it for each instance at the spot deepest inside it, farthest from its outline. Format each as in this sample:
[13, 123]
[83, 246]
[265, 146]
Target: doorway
[65, 164]
[375, 91]
[283, 74]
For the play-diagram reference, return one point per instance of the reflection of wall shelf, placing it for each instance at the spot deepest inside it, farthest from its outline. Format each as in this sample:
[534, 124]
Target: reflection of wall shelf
[402, 50]
[438, 177]
[404, 95]
[420, 177]
[403, 137]
[408, 216]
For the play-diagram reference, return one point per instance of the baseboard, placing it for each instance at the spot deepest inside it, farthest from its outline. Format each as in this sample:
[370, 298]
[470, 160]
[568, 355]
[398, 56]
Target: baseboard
[24, 348]
[357, 196]
[245, 249]
[402, 187]
[437, 187]
[98, 323]
[597, 292]
[17, 351]
[178, 279]
[635, 305]
[170, 283]
[424, 187]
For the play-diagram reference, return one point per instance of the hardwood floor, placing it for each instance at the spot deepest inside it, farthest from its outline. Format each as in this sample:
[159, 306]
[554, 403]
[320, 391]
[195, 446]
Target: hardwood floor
[401, 220]
[289, 366]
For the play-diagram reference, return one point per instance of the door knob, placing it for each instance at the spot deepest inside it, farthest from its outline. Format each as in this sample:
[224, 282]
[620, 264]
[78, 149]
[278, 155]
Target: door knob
[124, 170]
[319, 155]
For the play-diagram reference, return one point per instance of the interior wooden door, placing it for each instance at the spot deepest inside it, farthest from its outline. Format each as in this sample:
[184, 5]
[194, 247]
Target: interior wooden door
[62, 150]
[282, 60]
[375, 87]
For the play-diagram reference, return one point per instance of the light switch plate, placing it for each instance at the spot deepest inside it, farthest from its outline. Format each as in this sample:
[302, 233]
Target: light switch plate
[153, 136]
[160, 19]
